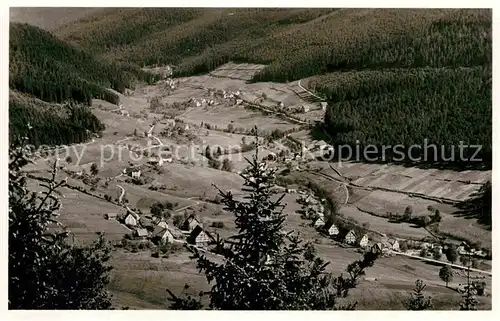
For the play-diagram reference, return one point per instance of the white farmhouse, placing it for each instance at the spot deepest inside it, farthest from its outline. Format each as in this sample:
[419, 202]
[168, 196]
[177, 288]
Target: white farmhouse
[319, 223]
[350, 237]
[363, 242]
[130, 220]
[136, 174]
[333, 230]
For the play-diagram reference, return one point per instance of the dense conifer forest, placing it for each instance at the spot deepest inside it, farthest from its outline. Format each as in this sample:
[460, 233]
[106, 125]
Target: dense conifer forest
[51, 124]
[44, 67]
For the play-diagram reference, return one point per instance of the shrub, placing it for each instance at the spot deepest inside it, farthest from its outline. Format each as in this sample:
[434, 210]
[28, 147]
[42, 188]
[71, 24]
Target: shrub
[403, 246]
[218, 224]
[214, 163]
[227, 165]
[178, 220]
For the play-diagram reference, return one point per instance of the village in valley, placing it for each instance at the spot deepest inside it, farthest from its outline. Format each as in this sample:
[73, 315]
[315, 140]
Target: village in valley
[153, 196]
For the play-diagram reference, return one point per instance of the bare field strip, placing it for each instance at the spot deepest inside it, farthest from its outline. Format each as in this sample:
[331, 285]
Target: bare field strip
[431, 182]
[238, 116]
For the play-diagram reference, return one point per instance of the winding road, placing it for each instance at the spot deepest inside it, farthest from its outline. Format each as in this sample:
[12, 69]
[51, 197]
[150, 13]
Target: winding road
[308, 91]
[442, 263]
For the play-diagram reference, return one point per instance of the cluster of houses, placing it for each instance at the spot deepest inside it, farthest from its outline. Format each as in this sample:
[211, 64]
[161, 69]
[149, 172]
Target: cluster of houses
[305, 108]
[233, 98]
[173, 124]
[78, 170]
[354, 237]
[160, 232]
[170, 83]
[159, 161]
[464, 249]
[313, 151]
[201, 102]
[133, 171]
[293, 109]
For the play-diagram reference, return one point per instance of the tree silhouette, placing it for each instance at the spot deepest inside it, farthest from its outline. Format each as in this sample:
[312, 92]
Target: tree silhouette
[446, 274]
[478, 205]
[417, 300]
[263, 266]
[46, 271]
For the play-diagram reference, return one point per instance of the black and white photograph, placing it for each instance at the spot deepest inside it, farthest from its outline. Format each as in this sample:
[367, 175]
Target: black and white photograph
[249, 158]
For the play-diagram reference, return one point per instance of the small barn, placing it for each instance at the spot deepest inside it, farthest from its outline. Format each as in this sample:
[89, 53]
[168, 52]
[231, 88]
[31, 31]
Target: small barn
[110, 216]
[134, 171]
[324, 105]
[146, 223]
[319, 223]
[320, 144]
[156, 160]
[350, 237]
[130, 220]
[141, 232]
[333, 230]
[160, 221]
[305, 109]
[363, 241]
[136, 174]
[199, 237]
[190, 223]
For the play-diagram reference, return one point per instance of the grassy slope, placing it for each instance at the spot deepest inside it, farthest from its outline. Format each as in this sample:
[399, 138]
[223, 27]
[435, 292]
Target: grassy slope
[295, 42]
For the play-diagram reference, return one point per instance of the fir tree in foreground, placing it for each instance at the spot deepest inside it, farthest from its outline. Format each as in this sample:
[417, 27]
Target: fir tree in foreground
[264, 267]
[417, 300]
[469, 292]
[45, 271]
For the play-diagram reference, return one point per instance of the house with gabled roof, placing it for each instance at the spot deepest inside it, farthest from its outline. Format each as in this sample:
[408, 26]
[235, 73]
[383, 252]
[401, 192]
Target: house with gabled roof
[333, 230]
[320, 222]
[199, 237]
[363, 241]
[190, 223]
[160, 221]
[162, 235]
[130, 220]
[110, 216]
[141, 232]
[350, 237]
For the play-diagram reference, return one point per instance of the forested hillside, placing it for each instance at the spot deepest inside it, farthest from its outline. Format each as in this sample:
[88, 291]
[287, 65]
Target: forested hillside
[47, 68]
[51, 124]
[439, 92]
[296, 43]
[444, 106]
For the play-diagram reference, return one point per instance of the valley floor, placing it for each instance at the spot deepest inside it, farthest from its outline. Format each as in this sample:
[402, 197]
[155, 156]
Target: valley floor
[367, 191]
